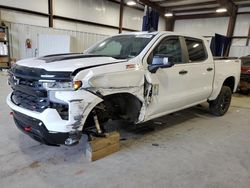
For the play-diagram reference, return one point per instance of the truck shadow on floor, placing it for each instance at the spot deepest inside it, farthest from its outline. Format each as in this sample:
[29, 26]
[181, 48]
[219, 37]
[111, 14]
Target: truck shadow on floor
[171, 120]
[59, 155]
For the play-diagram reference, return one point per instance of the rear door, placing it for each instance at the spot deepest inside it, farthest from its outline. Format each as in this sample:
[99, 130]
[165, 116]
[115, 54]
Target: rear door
[200, 70]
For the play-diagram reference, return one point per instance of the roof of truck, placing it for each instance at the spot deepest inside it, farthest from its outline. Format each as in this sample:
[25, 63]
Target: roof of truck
[164, 32]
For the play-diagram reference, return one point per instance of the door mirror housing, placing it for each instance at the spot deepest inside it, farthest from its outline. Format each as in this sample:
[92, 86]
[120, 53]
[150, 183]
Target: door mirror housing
[160, 61]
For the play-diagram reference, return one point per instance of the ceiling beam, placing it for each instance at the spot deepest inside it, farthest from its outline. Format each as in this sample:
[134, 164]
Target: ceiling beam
[189, 5]
[154, 6]
[196, 10]
[244, 5]
[243, 12]
[133, 7]
[199, 16]
[229, 5]
[169, 1]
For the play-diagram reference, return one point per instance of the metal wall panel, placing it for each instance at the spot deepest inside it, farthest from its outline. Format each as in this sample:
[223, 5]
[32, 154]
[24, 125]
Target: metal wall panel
[20, 32]
[239, 48]
[98, 11]
[39, 6]
[242, 25]
[239, 51]
[132, 18]
[60, 24]
[162, 24]
[17, 17]
[53, 44]
[203, 27]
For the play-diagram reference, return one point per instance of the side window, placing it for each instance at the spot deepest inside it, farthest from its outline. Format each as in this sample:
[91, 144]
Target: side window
[196, 50]
[171, 48]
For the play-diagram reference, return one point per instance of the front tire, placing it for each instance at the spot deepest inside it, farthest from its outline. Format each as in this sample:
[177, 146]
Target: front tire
[220, 105]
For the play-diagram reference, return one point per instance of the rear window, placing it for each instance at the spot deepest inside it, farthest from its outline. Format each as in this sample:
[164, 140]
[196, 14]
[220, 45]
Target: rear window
[196, 50]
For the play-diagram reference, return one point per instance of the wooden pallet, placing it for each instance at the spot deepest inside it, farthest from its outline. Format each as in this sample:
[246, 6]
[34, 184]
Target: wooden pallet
[101, 147]
[4, 65]
[4, 62]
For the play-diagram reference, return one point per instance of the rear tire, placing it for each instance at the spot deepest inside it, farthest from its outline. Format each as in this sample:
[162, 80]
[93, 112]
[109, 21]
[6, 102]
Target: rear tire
[220, 105]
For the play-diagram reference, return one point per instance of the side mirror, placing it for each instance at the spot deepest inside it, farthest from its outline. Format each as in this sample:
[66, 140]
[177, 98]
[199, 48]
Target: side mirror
[160, 61]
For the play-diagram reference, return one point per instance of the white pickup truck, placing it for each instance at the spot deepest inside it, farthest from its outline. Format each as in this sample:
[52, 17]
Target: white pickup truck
[133, 77]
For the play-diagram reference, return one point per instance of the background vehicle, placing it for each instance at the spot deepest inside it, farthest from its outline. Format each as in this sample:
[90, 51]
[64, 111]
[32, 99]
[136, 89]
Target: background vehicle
[245, 75]
[134, 77]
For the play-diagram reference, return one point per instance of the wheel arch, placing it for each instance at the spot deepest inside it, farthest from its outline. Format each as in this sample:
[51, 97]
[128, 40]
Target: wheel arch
[230, 82]
[126, 101]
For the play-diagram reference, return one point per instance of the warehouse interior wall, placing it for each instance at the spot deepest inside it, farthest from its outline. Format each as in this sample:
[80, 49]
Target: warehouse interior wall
[24, 25]
[209, 26]
[105, 12]
[239, 48]
[203, 27]
[20, 32]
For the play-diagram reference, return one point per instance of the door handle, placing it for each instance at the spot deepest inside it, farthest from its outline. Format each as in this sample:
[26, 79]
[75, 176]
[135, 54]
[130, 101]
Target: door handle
[183, 72]
[209, 69]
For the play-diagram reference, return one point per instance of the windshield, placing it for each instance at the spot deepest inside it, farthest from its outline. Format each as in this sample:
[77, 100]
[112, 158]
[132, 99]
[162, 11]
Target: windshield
[121, 46]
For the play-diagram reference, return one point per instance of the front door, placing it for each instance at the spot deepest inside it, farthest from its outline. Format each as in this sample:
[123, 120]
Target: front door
[170, 84]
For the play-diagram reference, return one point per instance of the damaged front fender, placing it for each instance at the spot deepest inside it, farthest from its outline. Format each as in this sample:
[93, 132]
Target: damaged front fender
[80, 104]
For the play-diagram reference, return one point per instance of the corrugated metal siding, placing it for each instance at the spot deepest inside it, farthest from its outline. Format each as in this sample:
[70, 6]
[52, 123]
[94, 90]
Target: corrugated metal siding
[239, 51]
[20, 32]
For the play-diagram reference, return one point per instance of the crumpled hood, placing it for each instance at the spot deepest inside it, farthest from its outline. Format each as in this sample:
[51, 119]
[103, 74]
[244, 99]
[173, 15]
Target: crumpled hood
[67, 62]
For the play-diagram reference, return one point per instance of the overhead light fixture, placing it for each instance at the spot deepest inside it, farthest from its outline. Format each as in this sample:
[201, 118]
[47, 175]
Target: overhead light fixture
[196, 45]
[168, 14]
[220, 10]
[131, 3]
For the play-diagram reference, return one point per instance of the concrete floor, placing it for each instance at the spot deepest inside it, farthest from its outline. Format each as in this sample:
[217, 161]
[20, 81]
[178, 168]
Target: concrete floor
[191, 149]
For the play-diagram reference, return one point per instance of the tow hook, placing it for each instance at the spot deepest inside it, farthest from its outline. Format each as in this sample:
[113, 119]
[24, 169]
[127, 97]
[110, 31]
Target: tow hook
[73, 139]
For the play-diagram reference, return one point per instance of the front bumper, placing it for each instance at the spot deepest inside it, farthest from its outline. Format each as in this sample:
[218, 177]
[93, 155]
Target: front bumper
[49, 127]
[50, 117]
[37, 130]
[80, 104]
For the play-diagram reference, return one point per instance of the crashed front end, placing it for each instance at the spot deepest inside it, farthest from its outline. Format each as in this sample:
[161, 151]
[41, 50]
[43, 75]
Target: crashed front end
[47, 107]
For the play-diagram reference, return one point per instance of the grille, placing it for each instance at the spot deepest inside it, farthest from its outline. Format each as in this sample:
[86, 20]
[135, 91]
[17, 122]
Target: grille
[28, 94]
[34, 103]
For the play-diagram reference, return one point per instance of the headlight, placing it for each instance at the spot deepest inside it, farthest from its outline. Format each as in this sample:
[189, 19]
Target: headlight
[58, 85]
[75, 85]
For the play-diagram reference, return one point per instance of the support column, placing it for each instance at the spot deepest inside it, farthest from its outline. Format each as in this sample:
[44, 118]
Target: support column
[230, 29]
[248, 39]
[121, 15]
[50, 10]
